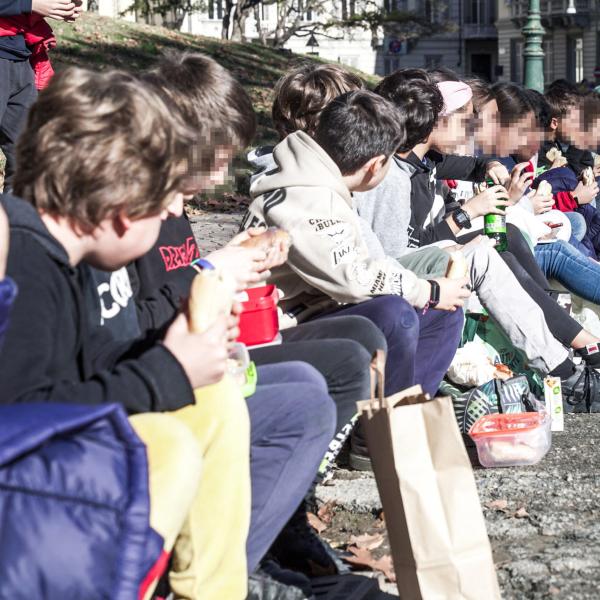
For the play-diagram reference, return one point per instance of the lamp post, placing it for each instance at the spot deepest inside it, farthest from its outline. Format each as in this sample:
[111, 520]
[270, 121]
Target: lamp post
[533, 32]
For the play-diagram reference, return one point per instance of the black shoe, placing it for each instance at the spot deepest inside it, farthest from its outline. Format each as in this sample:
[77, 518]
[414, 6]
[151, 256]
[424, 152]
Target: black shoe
[581, 391]
[359, 453]
[590, 355]
[270, 567]
[262, 586]
[300, 549]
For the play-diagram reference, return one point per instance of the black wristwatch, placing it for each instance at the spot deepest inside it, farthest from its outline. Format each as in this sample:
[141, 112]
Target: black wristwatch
[434, 297]
[461, 219]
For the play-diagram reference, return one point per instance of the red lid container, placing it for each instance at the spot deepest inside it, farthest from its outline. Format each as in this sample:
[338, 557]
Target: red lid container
[259, 322]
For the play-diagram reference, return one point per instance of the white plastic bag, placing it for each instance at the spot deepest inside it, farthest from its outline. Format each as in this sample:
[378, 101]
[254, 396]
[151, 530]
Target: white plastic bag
[472, 366]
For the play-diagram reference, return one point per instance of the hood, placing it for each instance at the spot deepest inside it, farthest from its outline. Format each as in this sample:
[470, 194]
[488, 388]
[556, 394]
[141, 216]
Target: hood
[23, 216]
[262, 160]
[416, 164]
[301, 162]
[405, 166]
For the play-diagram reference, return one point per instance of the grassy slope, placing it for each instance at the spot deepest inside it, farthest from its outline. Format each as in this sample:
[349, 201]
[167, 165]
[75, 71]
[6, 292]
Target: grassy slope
[100, 43]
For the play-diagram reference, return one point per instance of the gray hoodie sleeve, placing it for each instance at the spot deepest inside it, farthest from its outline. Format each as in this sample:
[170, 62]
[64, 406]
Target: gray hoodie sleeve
[386, 211]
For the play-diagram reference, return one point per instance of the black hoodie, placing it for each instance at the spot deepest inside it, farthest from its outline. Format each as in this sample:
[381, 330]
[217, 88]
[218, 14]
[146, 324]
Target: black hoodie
[52, 353]
[435, 167]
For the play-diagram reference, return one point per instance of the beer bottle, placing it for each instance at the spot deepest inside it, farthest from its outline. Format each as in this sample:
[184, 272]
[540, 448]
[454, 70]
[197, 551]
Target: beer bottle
[495, 227]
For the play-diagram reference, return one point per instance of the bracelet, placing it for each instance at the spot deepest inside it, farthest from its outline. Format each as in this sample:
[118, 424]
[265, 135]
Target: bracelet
[203, 264]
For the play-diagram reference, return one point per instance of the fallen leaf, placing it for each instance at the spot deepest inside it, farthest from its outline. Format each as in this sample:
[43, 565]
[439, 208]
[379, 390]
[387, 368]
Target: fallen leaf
[366, 541]
[361, 557]
[521, 513]
[327, 512]
[497, 504]
[316, 523]
[386, 566]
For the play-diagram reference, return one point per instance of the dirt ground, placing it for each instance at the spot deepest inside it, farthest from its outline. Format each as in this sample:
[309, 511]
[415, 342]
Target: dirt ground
[543, 521]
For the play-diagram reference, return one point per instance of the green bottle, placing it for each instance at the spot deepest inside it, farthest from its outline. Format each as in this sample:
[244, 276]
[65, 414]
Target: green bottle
[495, 228]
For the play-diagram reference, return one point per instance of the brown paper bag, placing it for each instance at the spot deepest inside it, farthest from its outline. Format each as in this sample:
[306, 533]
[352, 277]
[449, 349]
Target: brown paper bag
[438, 538]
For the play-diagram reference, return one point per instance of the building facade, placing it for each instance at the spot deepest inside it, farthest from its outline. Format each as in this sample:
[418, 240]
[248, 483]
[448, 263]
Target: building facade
[468, 45]
[570, 44]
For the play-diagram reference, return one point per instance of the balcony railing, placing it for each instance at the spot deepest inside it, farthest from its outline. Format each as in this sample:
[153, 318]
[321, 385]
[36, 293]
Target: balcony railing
[472, 31]
[520, 8]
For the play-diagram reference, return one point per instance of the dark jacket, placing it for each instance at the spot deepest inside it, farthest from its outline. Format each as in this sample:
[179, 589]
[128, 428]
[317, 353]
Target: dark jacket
[74, 504]
[577, 159]
[13, 47]
[8, 293]
[52, 353]
[434, 167]
[161, 279]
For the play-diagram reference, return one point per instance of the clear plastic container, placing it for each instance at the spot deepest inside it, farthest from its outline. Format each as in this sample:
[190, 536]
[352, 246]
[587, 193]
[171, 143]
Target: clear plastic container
[242, 369]
[238, 362]
[510, 440]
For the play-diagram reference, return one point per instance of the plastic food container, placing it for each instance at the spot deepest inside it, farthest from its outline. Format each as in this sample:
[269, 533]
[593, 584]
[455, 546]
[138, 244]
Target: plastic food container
[510, 440]
[259, 322]
[242, 369]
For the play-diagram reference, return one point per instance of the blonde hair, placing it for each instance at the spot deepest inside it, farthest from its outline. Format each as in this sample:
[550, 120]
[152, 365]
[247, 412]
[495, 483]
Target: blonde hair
[98, 143]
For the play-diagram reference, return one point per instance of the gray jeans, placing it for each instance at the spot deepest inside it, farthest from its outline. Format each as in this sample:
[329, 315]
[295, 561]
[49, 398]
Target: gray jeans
[512, 308]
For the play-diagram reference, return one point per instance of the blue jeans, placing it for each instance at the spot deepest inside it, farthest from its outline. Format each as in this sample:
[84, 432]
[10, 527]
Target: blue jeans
[420, 346]
[568, 266]
[578, 225]
[292, 421]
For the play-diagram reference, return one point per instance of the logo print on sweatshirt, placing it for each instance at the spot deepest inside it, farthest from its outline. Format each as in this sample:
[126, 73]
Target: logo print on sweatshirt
[178, 257]
[115, 294]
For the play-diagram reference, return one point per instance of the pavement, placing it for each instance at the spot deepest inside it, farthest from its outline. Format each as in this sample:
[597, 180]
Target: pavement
[543, 521]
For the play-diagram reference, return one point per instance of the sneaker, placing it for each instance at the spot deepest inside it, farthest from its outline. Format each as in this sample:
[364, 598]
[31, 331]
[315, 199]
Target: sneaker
[590, 355]
[359, 453]
[581, 391]
[269, 566]
[300, 549]
[262, 586]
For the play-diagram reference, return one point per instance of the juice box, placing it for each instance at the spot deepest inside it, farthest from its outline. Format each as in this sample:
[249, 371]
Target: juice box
[553, 398]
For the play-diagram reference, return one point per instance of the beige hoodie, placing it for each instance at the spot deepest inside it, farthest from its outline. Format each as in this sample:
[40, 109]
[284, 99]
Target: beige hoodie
[329, 259]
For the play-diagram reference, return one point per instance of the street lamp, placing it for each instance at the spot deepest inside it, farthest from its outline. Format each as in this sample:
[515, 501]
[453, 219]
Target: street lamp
[533, 32]
[571, 10]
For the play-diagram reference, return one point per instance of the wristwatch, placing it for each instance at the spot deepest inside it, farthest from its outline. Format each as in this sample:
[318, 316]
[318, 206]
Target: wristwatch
[434, 296]
[461, 219]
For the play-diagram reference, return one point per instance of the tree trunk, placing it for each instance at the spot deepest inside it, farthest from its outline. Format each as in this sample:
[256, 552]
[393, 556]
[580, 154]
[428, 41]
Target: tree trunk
[228, 8]
[239, 24]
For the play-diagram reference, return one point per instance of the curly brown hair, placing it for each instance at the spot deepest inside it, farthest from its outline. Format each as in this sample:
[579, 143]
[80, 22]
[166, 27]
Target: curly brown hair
[98, 143]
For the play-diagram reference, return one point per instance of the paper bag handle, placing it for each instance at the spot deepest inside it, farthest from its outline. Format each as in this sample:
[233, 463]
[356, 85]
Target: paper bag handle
[378, 376]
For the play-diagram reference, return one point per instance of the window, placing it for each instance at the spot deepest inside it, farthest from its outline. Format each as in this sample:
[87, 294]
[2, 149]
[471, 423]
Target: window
[215, 9]
[430, 11]
[575, 58]
[391, 6]
[516, 60]
[348, 8]
[433, 60]
[548, 62]
[390, 65]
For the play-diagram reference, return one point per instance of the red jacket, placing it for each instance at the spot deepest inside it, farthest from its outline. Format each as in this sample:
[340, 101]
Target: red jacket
[39, 39]
[565, 202]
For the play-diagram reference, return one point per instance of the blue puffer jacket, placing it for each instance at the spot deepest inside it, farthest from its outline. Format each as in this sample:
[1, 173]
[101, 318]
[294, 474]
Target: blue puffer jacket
[74, 505]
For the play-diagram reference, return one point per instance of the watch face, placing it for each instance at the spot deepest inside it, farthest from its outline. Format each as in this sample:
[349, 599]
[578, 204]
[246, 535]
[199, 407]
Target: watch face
[461, 218]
